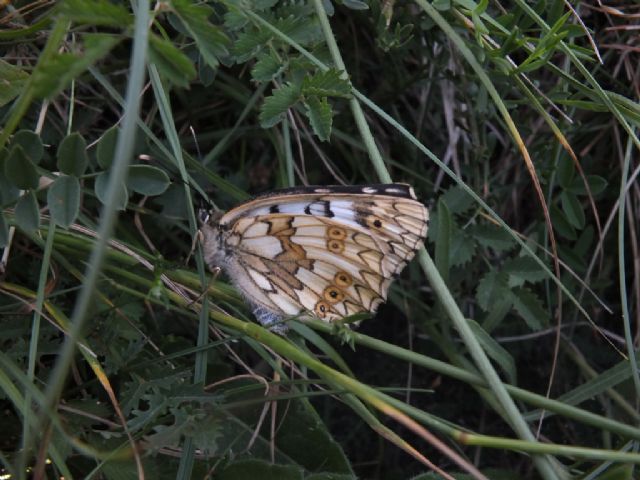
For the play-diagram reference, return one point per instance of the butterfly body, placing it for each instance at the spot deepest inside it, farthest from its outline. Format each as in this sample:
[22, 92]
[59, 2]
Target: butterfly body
[325, 252]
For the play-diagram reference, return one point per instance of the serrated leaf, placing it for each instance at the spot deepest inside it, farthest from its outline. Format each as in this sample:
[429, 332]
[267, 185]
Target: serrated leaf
[275, 106]
[462, 247]
[19, 170]
[524, 269]
[27, 214]
[572, 209]
[172, 64]
[96, 12]
[266, 68]
[211, 41]
[72, 155]
[30, 143]
[147, 180]
[320, 116]
[249, 43]
[63, 198]
[303, 29]
[326, 84]
[100, 187]
[491, 287]
[52, 76]
[107, 147]
[495, 351]
[596, 184]
[4, 231]
[492, 237]
[530, 308]
[457, 200]
[13, 80]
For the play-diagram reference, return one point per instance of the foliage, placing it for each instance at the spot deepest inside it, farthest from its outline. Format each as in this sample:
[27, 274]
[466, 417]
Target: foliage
[239, 93]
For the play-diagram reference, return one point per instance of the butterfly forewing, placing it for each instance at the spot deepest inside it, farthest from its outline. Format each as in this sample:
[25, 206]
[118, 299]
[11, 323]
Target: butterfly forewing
[328, 252]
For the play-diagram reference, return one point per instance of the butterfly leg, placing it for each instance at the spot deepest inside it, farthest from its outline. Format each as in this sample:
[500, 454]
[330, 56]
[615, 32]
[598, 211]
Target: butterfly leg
[270, 320]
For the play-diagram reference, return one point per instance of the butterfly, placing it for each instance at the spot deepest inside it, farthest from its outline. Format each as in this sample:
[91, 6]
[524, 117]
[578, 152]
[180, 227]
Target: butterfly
[319, 251]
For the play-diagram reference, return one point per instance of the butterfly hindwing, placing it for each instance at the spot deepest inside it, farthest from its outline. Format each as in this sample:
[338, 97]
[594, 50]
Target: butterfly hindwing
[329, 252]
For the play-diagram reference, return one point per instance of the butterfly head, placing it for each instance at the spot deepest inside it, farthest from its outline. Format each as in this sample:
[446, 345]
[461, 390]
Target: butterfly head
[213, 237]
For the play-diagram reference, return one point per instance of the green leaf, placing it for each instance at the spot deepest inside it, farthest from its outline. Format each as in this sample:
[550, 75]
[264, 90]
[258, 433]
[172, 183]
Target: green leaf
[147, 180]
[462, 247]
[572, 209]
[303, 436]
[27, 214]
[8, 191]
[275, 106]
[530, 308]
[52, 76]
[495, 351]
[96, 12]
[4, 231]
[596, 184]
[492, 237]
[266, 68]
[565, 171]
[100, 187]
[304, 30]
[172, 64]
[250, 42]
[497, 313]
[457, 200]
[491, 288]
[107, 147]
[211, 41]
[326, 84]
[443, 241]
[442, 5]
[523, 269]
[19, 170]
[561, 224]
[30, 143]
[244, 469]
[72, 155]
[355, 4]
[63, 198]
[320, 116]
[13, 80]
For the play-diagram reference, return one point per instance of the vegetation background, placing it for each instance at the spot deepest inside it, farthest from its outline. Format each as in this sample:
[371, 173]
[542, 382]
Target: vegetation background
[506, 351]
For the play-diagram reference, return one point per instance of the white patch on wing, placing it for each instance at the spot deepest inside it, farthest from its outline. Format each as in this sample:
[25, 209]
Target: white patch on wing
[307, 298]
[292, 208]
[258, 229]
[313, 280]
[285, 304]
[311, 231]
[304, 221]
[337, 262]
[266, 246]
[260, 279]
[373, 280]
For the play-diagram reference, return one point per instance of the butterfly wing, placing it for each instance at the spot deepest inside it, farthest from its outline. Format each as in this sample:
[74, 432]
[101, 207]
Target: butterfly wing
[325, 251]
